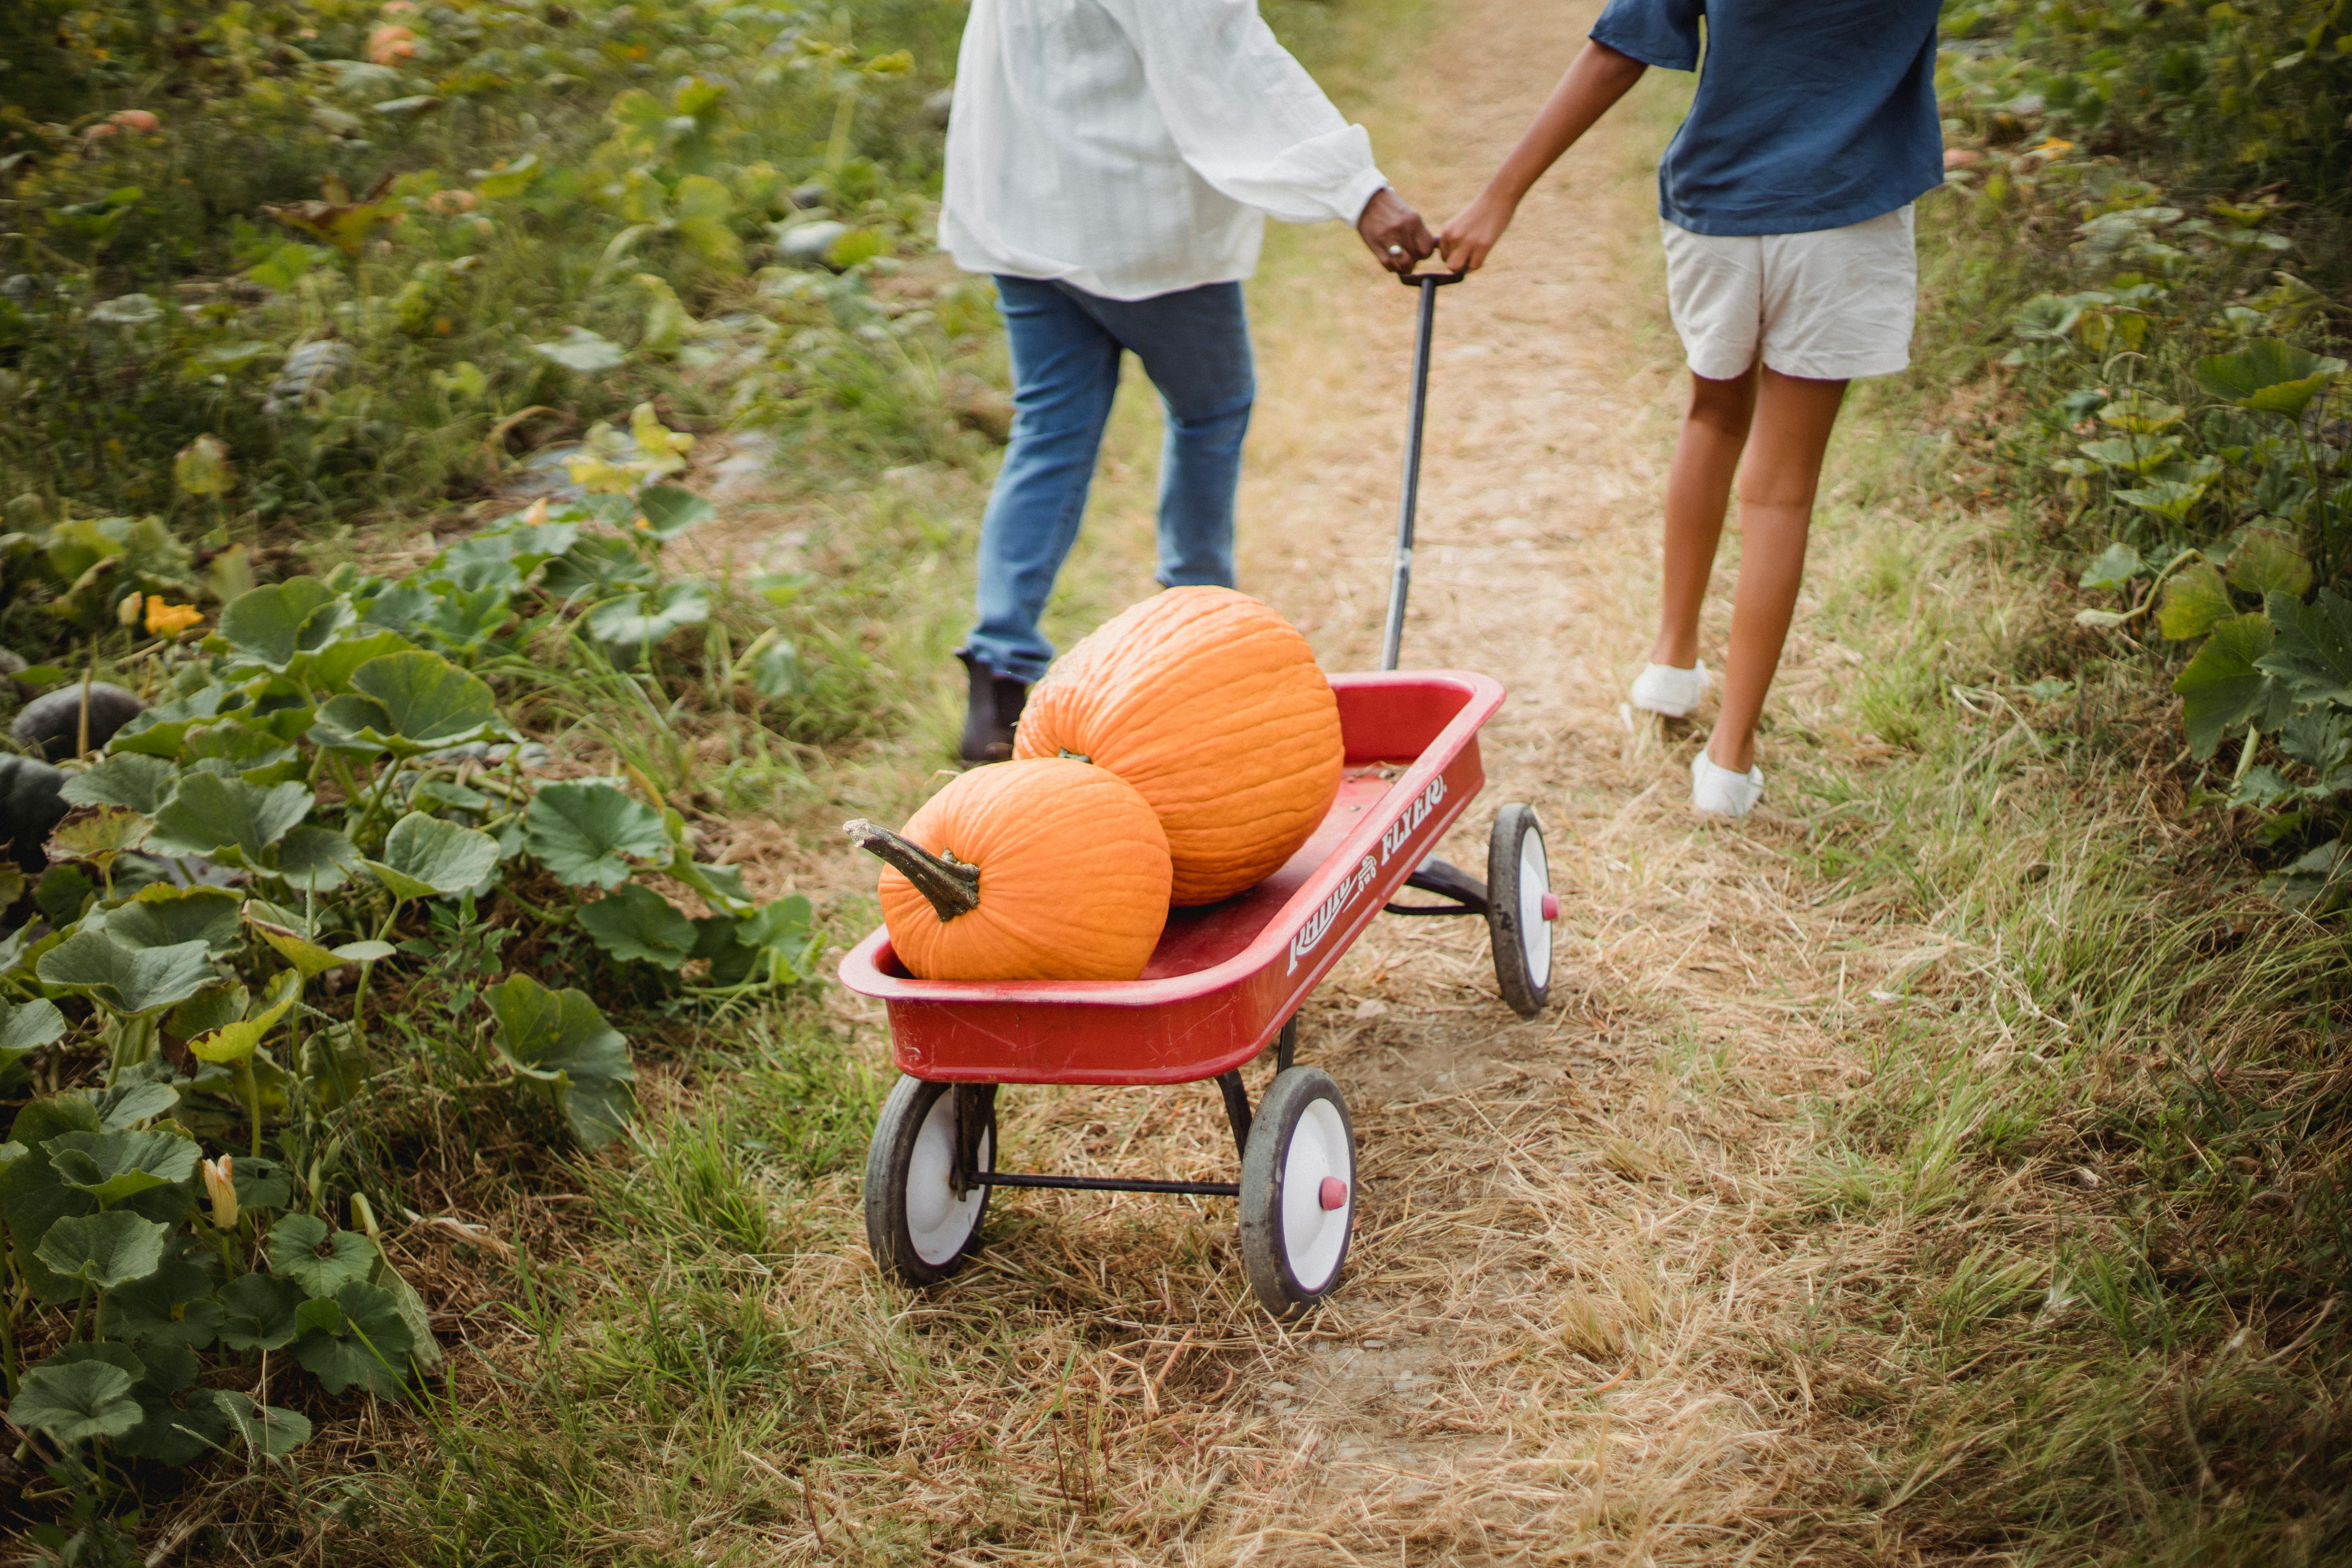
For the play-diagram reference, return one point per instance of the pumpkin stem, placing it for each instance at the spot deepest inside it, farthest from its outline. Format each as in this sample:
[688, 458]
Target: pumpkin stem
[1069, 755]
[952, 887]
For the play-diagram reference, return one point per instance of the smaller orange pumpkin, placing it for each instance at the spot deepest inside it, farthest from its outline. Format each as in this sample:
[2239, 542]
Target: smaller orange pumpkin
[1047, 870]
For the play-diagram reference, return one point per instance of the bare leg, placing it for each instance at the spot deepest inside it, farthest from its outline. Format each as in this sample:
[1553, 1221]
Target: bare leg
[1698, 488]
[1783, 468]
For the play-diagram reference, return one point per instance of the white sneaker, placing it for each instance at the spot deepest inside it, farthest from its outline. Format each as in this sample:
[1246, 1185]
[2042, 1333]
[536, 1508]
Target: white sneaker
[1663, 689]
[1722, 793]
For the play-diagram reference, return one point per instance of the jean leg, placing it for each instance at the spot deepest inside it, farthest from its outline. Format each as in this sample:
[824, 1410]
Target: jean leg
[1064, 374]
[1194, 344]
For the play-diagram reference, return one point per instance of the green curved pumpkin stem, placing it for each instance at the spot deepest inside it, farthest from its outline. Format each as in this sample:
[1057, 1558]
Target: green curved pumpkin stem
[952, 887]
[1069, 755]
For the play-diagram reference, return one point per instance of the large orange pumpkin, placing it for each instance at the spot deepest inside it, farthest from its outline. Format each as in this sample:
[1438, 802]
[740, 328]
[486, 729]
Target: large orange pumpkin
[1025, 870]
[1212, 707]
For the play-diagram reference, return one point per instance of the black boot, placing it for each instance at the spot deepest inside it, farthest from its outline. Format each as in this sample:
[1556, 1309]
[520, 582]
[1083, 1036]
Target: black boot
[990, 712]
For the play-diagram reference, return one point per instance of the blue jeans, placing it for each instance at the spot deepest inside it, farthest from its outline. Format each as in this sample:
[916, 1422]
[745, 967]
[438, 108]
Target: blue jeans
[1066, 343]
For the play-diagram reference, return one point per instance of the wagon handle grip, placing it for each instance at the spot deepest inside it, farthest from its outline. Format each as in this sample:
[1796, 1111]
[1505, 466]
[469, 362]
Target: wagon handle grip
[1401, 574]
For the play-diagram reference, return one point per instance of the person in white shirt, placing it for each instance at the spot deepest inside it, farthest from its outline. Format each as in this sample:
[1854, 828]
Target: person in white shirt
[1110, 163]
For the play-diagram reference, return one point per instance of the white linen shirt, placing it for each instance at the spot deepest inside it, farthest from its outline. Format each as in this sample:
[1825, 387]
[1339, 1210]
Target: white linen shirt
[1133, 147]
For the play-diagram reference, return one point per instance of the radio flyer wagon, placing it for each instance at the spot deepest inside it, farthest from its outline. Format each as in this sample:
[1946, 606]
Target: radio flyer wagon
[1225, 982]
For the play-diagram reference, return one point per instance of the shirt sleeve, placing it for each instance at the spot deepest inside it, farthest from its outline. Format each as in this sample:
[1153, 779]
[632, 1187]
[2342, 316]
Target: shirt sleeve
[1245, 116]
[1662, 33]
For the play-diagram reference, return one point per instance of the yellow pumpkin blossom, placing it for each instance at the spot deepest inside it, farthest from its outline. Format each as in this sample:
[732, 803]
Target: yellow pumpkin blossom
[169, 620]
[220, 1185]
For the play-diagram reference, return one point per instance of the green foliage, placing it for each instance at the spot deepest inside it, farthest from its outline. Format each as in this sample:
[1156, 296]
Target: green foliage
[75, 1401]
[2253, 92]
[132, 981]
[2184, 407]
[592, 836]
[102, 1250]
[558, 1041]
[319, 282]
[349, 745]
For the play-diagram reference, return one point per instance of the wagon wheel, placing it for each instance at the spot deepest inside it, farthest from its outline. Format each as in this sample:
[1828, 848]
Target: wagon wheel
[1298, 1191]
[920, 1227]
[1520, 908]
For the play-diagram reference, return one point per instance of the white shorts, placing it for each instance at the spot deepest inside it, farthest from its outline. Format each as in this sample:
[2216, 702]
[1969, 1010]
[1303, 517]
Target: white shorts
[1827, 306]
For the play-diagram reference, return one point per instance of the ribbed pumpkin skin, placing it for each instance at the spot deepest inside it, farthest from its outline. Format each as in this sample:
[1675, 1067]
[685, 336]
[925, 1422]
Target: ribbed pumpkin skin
[1212, 707]
[1073, 874]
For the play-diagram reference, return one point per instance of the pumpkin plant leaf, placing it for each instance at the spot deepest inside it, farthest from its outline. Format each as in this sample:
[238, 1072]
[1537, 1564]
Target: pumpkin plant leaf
[237, 1041]
[581, 350]
[162, 915]
[627, 619]
[260, 1184]
[96, 833]
[2313, 656]
[75, 1401]
[2269, 375]
[784, 929]
[127, 980]
[62, 894]
[428, 701]
[126, 779]
[213, 1007]
[558, 1041]
[430, 1359]
[313, 858]
[355, 1336]
[633, 922]
[2224, 682]
[209, 814]
[104, 1251]
[270, 626]
[331, 667]
[114, 1165]
[599, 565]
[26, 1026]
[426, 855]
[170, 1432]
[32, 1198]
[2269, 561]
[585, 833]
[2195, 598]
[2172, 500]
[259, 1313]
[669, 511]
[131, 1099]
[173, 1306]
[264, 1428]
[322, 1261]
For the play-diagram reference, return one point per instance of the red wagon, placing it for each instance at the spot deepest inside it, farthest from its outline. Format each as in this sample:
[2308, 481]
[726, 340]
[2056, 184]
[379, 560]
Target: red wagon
[1225, 982]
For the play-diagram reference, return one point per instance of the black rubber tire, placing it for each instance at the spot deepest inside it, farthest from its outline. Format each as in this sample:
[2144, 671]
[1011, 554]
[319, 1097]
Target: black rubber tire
[1524, 978]
[890, 1159]
[1269, 1244]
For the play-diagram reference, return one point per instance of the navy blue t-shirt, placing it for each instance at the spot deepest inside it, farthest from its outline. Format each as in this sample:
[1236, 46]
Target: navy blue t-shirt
[1811, 114]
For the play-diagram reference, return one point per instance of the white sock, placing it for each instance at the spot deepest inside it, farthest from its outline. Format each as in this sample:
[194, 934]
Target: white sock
[1662, 688]
[1722, 793]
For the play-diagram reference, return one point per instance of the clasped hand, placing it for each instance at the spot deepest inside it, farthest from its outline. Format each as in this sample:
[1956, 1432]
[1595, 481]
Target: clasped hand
[1394, 232]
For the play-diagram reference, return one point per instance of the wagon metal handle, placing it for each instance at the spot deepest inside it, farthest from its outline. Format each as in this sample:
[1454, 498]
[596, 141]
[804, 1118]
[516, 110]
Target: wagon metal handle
[1400, 580]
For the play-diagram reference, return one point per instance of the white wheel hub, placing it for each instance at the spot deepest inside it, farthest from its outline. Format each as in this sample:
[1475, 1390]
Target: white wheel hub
[1535, 930]
[1318, 1195]
[938, 1222]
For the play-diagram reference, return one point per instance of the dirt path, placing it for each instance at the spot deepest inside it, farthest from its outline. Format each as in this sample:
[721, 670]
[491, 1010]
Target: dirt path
[1562, 1335]
[1577, 1325]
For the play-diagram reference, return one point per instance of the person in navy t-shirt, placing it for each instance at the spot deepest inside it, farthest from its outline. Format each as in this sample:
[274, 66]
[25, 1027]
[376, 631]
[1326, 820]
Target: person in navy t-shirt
[1785, 205]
